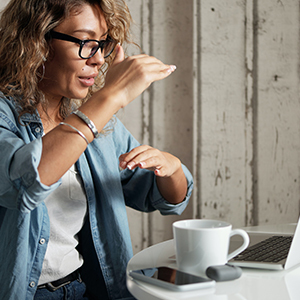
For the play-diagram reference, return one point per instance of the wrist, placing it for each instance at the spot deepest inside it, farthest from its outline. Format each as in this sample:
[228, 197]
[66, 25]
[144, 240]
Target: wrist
[112, 98]
[88, 122]
[175, 163]
[99, 109]
[74, 121]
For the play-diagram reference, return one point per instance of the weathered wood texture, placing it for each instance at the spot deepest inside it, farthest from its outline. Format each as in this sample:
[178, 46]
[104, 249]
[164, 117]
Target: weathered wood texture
[230, 111]
[165, 110]
[277, 113]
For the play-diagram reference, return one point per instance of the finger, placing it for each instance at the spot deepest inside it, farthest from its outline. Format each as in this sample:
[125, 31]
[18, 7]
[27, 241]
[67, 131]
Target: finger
[160, 172]
[150, 159]
[119, 55]
[122, 164]
[134, 152]
[150, 163]
[161, 72]
[163, 164]
[170, 69]
[125, 158]
[152, 64]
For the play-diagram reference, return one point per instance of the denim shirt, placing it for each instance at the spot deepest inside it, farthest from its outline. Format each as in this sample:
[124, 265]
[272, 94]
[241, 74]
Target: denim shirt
[104, 240]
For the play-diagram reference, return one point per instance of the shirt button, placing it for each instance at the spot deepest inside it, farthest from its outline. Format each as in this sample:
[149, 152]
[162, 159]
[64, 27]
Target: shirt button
[32, 284]
[42, 241]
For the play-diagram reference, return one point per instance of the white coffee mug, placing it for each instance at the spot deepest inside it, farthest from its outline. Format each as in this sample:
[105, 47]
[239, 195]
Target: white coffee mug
[200, 244]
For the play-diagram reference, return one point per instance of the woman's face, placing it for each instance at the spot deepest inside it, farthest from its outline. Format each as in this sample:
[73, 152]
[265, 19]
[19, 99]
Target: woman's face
[66, 74]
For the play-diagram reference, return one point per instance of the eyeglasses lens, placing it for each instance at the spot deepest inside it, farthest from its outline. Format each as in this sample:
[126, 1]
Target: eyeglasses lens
[90, 48]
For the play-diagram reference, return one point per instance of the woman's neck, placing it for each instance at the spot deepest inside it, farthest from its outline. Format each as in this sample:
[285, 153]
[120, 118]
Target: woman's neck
[51, 117]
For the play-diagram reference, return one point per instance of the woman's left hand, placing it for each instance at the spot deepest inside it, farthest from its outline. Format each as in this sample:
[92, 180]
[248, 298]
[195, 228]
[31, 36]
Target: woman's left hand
[161, 163]
[170, 177]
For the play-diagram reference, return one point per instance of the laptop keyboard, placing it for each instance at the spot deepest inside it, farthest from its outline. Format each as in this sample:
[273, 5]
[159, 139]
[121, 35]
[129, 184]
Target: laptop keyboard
[273, 249]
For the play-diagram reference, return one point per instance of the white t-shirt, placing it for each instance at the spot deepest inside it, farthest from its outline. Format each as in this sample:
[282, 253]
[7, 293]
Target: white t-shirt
[67, 207]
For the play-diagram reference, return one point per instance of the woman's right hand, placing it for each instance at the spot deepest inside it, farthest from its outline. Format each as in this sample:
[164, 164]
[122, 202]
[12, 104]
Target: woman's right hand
[128, 78]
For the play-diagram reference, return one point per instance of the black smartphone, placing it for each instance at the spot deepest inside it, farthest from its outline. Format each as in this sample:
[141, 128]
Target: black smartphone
[172, 279]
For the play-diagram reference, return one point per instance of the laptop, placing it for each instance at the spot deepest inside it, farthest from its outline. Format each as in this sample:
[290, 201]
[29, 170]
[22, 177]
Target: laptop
[284, 251]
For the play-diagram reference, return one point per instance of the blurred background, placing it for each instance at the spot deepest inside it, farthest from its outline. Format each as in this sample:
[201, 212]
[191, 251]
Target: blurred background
[230, 112]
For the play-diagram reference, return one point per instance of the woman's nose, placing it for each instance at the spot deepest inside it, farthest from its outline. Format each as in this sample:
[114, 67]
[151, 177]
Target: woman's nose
[97, 58]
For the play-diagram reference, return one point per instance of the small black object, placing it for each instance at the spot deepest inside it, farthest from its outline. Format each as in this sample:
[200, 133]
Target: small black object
[224, 272]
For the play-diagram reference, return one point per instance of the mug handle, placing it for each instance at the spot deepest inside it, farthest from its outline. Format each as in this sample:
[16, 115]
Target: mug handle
[246, 239]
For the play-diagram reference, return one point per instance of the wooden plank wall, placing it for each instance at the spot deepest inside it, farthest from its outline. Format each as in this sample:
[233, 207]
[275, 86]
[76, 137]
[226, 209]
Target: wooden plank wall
[230, 111]
[163, 115]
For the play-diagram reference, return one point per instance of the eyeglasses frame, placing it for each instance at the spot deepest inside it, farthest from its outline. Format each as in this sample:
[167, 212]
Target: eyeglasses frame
[69, 38]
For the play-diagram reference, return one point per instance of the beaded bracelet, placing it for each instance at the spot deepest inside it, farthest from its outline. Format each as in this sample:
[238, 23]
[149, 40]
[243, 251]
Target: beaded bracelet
[88, 122]
[75, 129]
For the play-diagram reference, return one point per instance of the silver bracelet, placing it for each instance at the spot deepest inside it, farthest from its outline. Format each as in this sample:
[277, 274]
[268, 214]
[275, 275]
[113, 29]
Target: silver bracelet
[78, 131]
[88, 122]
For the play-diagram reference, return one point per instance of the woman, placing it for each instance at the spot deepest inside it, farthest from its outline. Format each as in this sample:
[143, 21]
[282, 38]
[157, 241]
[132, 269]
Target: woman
[63, 189]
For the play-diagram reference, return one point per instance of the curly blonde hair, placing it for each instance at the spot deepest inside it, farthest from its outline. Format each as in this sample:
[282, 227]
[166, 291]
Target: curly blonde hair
[25, 45]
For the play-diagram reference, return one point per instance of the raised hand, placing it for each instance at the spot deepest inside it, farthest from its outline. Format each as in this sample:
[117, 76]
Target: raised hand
[128, 78]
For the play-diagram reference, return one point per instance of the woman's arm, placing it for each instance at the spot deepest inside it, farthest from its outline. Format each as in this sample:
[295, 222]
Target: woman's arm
[125, 80]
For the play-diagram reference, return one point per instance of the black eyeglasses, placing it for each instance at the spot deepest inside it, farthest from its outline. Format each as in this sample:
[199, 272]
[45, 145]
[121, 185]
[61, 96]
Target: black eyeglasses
[88, 48]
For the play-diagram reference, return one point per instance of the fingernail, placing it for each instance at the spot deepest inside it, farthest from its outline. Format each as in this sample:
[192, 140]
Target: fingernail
[173, 68]
[123, 164]
[130, 166]
[117, 49]
[142, 164]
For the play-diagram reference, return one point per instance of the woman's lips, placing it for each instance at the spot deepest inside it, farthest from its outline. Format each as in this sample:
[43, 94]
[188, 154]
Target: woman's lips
[87, 81]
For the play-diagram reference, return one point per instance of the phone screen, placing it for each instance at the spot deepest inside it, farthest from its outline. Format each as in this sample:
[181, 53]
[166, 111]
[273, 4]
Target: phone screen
[172, 276]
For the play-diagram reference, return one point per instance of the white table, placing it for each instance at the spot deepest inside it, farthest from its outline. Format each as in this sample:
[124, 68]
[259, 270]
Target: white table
[252, 285]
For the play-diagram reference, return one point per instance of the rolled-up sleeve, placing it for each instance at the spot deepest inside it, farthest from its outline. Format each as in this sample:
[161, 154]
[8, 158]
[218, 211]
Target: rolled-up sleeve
[167, 208]
[20, 185]
[139, 186]
[141, 192]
